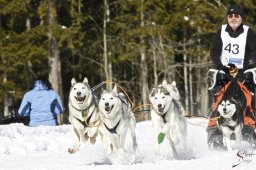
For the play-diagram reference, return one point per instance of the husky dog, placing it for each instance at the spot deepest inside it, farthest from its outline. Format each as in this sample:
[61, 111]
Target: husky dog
[116, 117]
[83, 113]
[167, 116]
[230, 121]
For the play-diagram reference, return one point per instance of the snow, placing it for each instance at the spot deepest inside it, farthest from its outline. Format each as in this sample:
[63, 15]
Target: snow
[46, 148]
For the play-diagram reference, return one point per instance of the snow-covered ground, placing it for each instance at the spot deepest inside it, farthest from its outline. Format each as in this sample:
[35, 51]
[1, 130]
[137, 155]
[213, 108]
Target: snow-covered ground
[43, 148]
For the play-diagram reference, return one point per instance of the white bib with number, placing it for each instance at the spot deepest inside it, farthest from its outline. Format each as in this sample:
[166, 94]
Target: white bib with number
[233, 49]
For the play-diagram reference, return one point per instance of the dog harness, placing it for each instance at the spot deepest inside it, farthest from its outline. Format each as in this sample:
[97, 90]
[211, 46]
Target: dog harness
[248, 113]
[163, 116]
[112, 130]
[84, 113]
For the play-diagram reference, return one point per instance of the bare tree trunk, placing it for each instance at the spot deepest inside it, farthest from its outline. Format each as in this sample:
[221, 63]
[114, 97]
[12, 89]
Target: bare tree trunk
[154, 65]
[191, 86]
[143, 66]
[199, 86]
[5, 94]
[107, 63]
[166, 75]
[6, 105]
[54, 56]
[144, 77]
[186, 81]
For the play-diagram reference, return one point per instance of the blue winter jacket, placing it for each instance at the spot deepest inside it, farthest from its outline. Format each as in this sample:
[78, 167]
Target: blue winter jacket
[41, 105]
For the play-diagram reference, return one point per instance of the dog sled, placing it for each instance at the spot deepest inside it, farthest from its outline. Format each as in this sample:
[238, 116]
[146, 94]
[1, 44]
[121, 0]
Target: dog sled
[242, 94]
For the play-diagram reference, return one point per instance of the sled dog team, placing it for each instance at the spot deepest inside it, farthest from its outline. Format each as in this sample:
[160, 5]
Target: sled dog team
[112, 116]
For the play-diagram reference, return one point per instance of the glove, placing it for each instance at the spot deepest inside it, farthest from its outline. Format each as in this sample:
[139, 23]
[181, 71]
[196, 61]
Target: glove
[224, 68]
[251, 64]
[233, 70]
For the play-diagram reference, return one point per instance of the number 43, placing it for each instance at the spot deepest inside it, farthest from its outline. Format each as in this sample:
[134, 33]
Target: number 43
[232, 48]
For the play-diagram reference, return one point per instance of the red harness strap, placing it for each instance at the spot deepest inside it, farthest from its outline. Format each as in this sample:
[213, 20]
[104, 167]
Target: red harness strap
[220, 96]
[213, 120]
[247, 119]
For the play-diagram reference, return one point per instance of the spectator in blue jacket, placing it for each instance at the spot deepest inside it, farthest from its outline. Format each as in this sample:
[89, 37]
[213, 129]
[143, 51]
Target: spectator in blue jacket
[42, 104]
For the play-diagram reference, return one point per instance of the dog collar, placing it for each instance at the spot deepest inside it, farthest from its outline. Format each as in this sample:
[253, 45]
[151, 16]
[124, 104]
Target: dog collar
[80, 110]
[83, 111]
[163, 116]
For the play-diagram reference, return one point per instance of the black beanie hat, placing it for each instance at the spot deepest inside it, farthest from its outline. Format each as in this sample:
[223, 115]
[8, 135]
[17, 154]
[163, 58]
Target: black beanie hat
[235, 9]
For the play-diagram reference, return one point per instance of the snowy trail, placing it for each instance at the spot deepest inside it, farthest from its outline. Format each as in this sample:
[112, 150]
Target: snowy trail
[42, 148]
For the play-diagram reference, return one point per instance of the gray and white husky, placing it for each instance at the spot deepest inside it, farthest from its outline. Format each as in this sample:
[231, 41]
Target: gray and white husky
[116, 118]
[83, 113]
[230, 121]
[167, 115]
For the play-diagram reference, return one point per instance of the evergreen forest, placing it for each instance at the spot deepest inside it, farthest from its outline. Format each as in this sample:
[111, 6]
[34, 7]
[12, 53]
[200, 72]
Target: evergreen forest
[135, 43]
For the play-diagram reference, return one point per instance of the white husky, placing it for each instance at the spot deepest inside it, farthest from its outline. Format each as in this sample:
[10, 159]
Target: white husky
[83, 113]
[230, 121]
[167, 116]
[116, 117]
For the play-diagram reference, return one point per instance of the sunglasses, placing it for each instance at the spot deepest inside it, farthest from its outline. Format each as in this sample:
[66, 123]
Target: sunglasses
[233, 15]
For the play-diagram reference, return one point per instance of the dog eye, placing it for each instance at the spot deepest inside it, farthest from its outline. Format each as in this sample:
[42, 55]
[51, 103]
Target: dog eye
[163, 97]
[83, 87]
[155, 97]
[74, 88]
[102, 98]
[111, 98]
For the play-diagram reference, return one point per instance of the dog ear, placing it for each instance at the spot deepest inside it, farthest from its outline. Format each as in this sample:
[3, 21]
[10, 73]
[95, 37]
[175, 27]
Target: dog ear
[115, 89]
[73, 81]
[174, 83]
[153, 92]
[85, 80]
[104, 91]
[164, 82]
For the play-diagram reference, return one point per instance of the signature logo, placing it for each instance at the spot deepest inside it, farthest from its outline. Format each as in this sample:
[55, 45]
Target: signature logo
[245, 157]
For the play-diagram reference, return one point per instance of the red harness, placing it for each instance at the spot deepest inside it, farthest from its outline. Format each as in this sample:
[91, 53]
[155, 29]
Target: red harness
[248, 120]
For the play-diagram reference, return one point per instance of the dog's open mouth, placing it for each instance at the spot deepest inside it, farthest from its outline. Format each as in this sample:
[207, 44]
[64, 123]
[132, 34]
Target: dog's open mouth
[79, 98]
[108, 109]
[161, 109]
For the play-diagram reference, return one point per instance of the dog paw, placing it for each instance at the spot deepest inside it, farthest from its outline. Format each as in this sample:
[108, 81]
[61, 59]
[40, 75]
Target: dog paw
[92, 140]
[110, 149]
[71, 150]
[135, 148]
[86, 137]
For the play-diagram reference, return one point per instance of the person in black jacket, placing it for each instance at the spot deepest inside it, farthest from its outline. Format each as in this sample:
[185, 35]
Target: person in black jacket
[234, 43]
[233, 51]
